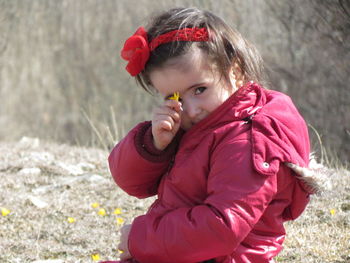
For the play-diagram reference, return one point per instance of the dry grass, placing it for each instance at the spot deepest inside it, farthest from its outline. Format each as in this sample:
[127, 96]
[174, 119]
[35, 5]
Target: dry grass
[322, 233]
[70, 179]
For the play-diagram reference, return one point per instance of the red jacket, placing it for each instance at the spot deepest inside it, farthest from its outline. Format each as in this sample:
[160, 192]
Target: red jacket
[223, 191]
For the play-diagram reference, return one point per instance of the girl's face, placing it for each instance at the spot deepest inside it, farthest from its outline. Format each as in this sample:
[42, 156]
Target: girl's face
[200, 85]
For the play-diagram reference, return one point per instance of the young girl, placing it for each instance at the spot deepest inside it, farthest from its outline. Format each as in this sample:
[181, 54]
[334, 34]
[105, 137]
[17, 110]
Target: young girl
[215, 150]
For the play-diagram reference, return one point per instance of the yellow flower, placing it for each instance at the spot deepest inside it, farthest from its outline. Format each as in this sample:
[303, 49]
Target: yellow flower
[117, 211]
[175, 96]
[71, 220]
[102, 212]
[120, 251]
[332, 211]
[95, 205]
[120, 221]
[5, 211]
[95, 257]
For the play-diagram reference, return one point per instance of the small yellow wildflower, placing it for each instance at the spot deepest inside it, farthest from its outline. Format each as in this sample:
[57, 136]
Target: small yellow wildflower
[95, 257]
[175, 96]
[332, 211]
[101, 212]
[5, 211]
[95, 205]
[120, 251]
[71, 220]
[117, 211]
[120, 221]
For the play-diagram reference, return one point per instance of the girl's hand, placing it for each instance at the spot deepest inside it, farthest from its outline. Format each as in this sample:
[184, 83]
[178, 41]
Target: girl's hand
[123, 245]
[165, 123]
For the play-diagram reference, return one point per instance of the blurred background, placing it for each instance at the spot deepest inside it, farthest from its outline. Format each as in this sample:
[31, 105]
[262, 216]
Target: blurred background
[62, 79]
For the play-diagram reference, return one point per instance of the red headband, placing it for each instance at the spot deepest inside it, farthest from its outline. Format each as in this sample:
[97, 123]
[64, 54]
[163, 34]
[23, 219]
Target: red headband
[137, 50]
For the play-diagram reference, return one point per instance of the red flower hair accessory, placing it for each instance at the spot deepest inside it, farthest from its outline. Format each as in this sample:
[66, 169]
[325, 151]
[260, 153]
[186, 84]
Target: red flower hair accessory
[137, 50]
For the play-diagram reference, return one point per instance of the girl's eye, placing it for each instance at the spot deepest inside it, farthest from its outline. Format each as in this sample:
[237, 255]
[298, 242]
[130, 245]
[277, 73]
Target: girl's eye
[199, 90]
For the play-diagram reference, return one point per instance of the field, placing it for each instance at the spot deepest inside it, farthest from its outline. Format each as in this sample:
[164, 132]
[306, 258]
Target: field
[59, 204]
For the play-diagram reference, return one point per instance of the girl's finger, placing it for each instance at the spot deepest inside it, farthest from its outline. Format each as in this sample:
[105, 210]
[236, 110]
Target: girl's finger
[176, 105]
[166, 124]
[168, 111]
[166, 117]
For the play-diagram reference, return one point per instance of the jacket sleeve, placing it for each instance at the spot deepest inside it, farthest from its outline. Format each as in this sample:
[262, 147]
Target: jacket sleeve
[136, 166]
[237, 197]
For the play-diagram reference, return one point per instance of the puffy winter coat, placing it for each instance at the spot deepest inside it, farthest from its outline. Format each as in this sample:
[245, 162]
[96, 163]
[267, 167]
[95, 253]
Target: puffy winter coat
[223, 190]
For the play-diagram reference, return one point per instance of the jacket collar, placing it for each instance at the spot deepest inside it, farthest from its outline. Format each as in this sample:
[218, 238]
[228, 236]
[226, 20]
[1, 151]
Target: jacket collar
[245, 102]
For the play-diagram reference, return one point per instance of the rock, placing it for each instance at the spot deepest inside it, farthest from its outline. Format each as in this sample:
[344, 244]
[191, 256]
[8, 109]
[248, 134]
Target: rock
[38, 202]
[42, 157]
[48, 261]
[92, 178]
[95, 178]
[71, 169]
[43, 189]
[27, 142]
[86, 166]
[30, 171]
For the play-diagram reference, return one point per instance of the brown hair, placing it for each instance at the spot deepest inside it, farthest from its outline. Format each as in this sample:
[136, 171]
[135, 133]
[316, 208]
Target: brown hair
[225, 47]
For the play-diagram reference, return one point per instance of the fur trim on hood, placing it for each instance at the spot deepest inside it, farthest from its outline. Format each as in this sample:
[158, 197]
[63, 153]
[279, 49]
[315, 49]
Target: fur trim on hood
[315, 178]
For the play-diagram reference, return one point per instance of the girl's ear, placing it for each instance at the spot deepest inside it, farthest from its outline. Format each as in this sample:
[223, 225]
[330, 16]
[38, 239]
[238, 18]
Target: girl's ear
[237, 75]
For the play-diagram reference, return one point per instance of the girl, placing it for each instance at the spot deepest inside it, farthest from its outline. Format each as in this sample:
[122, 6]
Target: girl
[214, 153]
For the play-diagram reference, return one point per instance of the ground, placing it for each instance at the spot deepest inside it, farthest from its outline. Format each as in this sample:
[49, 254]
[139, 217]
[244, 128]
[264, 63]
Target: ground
[58, 203]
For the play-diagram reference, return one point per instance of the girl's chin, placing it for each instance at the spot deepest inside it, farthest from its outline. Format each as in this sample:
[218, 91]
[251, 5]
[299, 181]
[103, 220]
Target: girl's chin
[187, 126]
